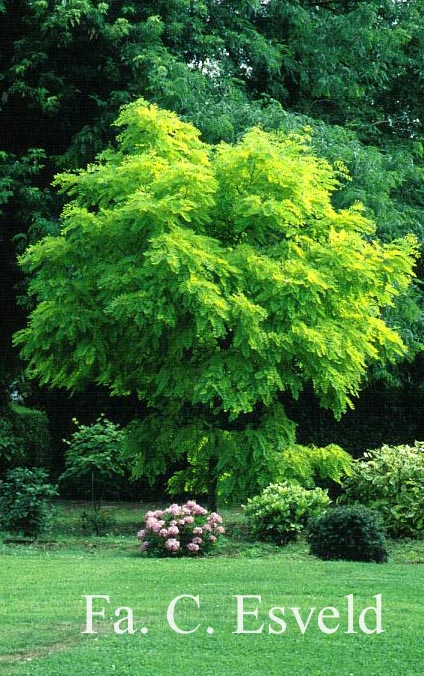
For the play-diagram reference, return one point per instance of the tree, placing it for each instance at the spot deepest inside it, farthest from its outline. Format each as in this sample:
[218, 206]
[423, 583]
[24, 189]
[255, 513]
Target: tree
[212, 281]
[68, 66]
[94, 458]
[348, 63]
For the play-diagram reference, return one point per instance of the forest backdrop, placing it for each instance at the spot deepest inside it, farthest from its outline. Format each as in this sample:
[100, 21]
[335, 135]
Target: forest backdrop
[349, 72]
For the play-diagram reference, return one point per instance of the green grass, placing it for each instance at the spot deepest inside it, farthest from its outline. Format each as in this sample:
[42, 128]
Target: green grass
[42, 610]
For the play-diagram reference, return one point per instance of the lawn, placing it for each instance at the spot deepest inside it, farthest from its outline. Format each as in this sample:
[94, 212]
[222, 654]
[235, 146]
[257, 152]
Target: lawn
[43, 610]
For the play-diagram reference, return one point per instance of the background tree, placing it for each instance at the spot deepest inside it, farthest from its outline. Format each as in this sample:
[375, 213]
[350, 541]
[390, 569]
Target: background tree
[66, 67]
[211, 282]
[93, 459]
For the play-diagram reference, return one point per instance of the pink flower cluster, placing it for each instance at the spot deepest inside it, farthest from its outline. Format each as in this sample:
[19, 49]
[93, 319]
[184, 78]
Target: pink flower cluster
[180, 530]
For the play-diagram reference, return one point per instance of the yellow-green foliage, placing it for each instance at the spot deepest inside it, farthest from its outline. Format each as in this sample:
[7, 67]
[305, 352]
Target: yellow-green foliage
[208, 280]
[308, 464]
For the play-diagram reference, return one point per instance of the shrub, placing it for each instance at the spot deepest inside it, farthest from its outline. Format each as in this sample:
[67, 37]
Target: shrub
[391, 481]
[281, 511]
[11, 451]
[96, 521]
[187, 530]
[31, 428]
[353, 533]
[94, 459]
[25, 501]
[24, 437]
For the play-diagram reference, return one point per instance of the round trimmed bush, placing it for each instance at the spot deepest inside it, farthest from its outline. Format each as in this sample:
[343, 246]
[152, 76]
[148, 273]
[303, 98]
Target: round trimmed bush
[281, 511]
[353, 533]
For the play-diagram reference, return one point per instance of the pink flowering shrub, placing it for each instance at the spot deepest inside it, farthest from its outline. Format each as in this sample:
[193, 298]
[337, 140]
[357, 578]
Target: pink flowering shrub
[180, 530]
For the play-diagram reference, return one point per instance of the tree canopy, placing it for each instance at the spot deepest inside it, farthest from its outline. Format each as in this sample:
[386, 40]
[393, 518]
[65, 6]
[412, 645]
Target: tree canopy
[351, 70]
[212, 281]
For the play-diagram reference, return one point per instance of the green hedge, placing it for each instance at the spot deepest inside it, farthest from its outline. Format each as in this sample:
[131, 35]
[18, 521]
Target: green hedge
[24, 437]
